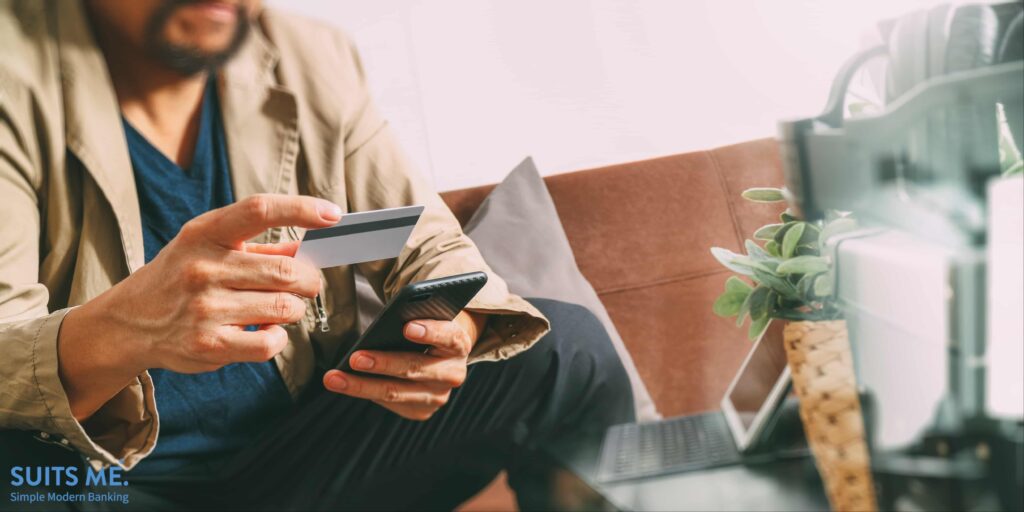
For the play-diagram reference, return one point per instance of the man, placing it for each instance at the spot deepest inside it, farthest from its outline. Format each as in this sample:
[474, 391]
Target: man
[154, 156]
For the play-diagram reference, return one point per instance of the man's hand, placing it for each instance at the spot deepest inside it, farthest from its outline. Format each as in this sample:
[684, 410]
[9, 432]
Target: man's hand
[414, 385]
[187, 309]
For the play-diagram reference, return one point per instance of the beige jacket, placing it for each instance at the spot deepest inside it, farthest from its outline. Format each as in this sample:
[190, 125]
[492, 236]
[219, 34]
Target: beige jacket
[299, 120]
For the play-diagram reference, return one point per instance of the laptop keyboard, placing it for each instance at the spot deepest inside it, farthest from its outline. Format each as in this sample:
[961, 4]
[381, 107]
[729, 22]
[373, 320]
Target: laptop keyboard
[679, 444]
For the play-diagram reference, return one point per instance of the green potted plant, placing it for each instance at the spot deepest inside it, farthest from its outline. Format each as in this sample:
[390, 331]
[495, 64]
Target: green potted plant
[789, 277]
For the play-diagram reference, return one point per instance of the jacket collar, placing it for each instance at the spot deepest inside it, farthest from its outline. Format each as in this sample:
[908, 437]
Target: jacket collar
[260, 120]
[260, 123]
[92, 124]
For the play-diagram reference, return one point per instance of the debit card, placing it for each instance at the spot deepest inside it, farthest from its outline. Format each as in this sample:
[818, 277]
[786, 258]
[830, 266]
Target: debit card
[359, 237]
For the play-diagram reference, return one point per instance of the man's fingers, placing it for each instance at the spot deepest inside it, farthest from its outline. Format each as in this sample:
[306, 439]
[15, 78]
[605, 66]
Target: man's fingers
[232, 225]
[444, 336]
[279, 249]
[251, 308]
[242, 271]
[410, 411]
[254, 346]
[386, 390]
[411, 366]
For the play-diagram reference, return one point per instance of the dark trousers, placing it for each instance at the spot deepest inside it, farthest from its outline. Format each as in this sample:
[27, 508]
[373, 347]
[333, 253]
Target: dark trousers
[336, 452]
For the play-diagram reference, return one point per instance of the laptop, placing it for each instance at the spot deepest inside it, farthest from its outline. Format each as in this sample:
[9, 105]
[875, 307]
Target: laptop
[710, 439]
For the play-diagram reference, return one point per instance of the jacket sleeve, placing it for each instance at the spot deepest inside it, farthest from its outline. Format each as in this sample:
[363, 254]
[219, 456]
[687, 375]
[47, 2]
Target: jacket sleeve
[377, 175]
[32, 396]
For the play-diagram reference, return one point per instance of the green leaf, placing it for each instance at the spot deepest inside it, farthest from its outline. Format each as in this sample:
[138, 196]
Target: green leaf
[761, 300]
[755, 252]
[781, 233]
[737, 285]
[803, 265]
[805, 250]
[805, 286]
[787, 216]
[750, 263]
[780, 285]
[792, 238]
[727, 258]
[758, 327]
[728, 304]
[840, 225]
[767, 232]
[1015, 169]
[744, 310]
[809, 238]
[1009, 154]
[823, 285]
[764, 195]
[772, 247]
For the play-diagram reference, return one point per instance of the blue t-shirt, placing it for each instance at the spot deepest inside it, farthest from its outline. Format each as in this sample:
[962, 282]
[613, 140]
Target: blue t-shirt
[207, 415]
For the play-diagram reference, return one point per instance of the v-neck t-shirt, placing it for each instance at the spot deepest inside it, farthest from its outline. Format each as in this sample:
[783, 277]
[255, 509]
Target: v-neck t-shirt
[203, 416]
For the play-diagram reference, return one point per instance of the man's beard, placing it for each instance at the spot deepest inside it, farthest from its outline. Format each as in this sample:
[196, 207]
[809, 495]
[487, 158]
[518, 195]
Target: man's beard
[184, 59]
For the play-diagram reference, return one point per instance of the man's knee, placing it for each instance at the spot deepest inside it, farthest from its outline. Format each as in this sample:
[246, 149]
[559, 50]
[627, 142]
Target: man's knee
[575, 329]
[579, 345]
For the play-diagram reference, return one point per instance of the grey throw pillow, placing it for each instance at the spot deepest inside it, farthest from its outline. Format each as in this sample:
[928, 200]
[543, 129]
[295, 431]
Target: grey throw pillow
[518, 209]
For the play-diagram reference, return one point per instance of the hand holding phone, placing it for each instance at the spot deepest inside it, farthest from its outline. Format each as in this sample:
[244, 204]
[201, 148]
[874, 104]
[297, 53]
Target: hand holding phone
[417, 349]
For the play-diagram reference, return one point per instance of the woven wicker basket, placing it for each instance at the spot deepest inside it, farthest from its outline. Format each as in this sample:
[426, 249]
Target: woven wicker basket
[824, 381]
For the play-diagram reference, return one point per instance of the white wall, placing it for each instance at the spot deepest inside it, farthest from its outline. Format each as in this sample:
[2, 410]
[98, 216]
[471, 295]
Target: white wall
[472, 86]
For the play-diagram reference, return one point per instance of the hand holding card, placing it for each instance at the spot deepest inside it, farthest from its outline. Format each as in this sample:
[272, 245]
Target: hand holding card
[356, 238]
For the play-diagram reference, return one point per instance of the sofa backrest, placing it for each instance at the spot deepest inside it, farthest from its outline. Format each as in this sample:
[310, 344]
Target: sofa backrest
[640, 233]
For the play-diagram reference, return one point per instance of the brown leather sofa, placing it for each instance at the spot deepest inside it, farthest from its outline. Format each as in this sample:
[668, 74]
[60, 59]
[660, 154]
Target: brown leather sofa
[640, 233]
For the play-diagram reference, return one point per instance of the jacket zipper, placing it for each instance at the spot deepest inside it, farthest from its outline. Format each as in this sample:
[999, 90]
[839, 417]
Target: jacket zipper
[321, 312]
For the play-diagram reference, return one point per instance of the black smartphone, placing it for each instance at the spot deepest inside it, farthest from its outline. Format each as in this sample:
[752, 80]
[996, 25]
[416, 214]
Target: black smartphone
[435, 299]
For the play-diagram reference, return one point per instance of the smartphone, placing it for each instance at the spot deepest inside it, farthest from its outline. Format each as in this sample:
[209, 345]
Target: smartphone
[435, 299]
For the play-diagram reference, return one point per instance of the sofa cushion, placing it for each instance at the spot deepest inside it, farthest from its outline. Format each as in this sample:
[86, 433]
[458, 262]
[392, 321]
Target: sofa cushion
[518, 232]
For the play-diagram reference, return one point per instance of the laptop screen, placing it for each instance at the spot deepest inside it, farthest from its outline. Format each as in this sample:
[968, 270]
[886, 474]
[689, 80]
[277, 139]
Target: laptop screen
[759, 376]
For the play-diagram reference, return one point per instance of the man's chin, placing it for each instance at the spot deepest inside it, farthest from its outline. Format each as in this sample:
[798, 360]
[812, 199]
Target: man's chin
[202, 52]
[188, 61]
